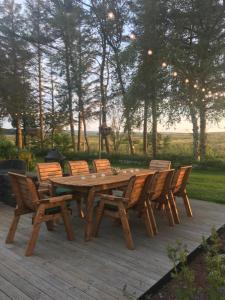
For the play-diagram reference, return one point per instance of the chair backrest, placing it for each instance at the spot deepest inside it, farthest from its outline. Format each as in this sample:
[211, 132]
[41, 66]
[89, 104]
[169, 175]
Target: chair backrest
[135, 189]
[180, 179]
[48, 170]
[24, 190]
[161, 184]
[78, 167]
[160, 165]
[102, 165]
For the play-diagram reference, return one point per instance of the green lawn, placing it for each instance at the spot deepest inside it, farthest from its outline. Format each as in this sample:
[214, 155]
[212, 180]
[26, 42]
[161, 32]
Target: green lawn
[203, 184]
[207, 185]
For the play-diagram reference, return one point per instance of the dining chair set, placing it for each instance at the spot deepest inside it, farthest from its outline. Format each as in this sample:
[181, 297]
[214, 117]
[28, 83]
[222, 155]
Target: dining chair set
[144, 193]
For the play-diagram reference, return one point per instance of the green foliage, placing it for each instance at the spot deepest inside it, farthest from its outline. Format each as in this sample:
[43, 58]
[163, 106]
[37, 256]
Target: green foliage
[215, 262]
[28, 157]
[62, 142]
[186, 289]
[8, 149]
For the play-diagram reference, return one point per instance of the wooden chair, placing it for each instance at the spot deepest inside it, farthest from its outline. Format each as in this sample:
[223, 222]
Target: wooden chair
[46, 171]
[160, 165]
[43, 210]
[179, 184]
[102, 165]
[159, 192]
[78, 167]
[53, 169]
[118, 207]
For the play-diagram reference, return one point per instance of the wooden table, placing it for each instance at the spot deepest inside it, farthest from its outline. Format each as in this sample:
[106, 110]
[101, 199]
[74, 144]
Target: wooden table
[89, 184]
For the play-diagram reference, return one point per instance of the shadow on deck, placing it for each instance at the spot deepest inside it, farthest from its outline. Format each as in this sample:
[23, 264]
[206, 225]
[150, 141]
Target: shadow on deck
[100, 269]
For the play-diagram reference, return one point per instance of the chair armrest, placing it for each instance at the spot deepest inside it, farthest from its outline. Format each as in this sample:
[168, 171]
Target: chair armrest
[57, 199]
[113, 198]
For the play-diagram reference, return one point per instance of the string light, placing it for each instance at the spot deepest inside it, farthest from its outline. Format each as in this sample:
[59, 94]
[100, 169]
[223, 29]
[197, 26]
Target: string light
[175, 74]
[203, 89]
[111, 15]
[186, 80]
[164, 64]
[132, 36]
[195, 86]
[150, 52]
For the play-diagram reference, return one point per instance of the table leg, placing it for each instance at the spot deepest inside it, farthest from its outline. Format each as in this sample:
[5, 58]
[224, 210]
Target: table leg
[89, 217]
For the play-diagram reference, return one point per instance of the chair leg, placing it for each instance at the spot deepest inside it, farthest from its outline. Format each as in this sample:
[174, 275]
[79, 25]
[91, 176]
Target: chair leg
[12, 230]
[99, 216]
[126, 227]
[67, 224]
[147, 221]
[174, 208]
[152, 217]
[79, 208]
[187, 204]
[50, 225]
[35, 232]
[169, 211]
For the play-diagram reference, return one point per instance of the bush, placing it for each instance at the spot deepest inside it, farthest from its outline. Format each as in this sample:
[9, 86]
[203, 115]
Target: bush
[8, 150]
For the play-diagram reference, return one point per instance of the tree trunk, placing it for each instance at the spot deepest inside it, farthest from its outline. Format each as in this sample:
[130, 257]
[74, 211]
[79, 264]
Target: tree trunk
[119, 74]
[145, 128]
[154, 127]
[19, 135]
[52, 110]
[85, 131]
[40, 102]
[203, 137]
[103, 93]
[195, 133]
[79, 131]
[70, 97]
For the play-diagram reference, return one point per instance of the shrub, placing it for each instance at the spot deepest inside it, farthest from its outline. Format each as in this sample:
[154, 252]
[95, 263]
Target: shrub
[8, 150]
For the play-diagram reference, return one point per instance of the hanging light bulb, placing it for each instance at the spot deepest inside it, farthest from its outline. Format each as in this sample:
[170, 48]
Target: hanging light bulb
[150, 52]
[175, 74]
[111, 15]
[164, 65]
[186, 80]
[132, 36]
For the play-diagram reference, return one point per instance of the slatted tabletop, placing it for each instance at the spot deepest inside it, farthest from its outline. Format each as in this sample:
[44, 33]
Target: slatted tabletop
[98, 179]
[90, 184]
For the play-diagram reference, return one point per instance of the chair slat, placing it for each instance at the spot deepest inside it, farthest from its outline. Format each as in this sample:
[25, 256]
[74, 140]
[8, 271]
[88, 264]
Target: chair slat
[78, 167]
[102, 165]
[160, 165]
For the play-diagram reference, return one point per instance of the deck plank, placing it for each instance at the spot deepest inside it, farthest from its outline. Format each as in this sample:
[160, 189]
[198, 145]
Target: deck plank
[100, 269]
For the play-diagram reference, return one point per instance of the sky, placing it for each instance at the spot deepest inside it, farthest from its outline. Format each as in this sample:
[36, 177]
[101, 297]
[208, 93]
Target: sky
[184, 127]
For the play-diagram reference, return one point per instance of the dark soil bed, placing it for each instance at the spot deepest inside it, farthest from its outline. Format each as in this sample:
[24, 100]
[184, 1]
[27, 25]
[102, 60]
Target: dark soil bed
[165, 289]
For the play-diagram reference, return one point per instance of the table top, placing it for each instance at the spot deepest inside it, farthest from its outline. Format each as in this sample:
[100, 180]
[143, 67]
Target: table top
[98, 179]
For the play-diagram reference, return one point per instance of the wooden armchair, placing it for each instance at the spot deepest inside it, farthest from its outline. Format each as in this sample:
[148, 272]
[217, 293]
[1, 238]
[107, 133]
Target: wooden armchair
[118, 207]
[43, 210]
[179, 184]
[160, 165]
[102, 165]
[78, 167]
[159, 192]
[53, 169]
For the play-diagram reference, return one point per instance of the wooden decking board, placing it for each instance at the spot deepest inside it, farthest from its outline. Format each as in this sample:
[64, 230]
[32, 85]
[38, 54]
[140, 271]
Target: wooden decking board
[100, 269]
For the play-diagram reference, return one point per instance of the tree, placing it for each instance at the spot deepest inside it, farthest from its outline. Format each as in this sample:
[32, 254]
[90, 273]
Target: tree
[197, 47]
[15, 90]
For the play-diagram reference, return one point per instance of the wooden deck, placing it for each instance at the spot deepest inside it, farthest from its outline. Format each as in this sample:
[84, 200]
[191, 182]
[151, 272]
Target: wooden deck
[100, 269]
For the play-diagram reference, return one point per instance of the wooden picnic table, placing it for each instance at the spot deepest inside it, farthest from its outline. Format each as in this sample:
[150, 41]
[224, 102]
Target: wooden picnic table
[90, 184]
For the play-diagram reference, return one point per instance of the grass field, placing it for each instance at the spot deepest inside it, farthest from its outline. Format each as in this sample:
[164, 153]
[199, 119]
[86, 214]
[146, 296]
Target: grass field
[203, 184]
